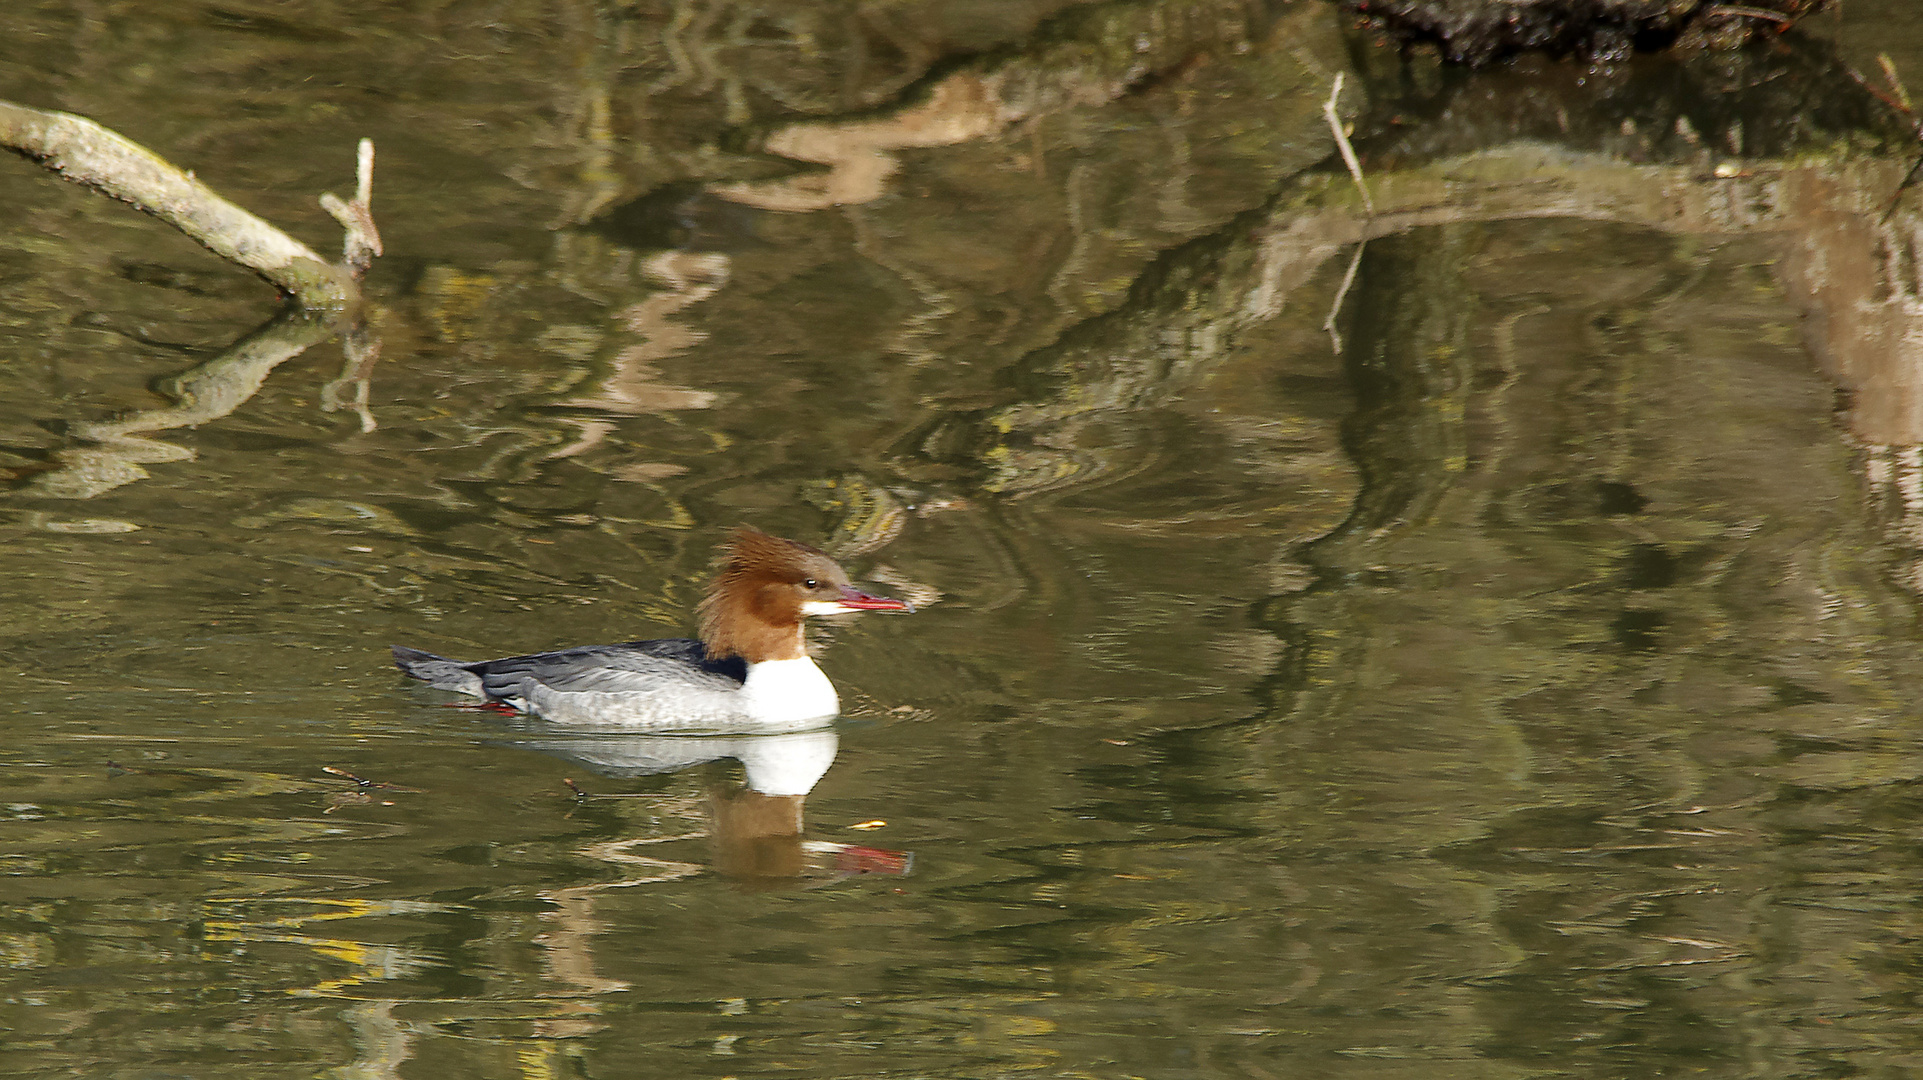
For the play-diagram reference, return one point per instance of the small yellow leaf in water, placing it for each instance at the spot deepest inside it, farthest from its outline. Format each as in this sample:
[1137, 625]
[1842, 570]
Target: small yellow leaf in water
[876, 823]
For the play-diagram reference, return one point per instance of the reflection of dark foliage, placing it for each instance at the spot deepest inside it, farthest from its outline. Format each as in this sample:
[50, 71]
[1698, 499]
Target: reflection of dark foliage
[1478, 31]
[1406, 360]
[676, 216]
[1184, 311]
[1197, 781]
[1291, 674]
[1775, 102]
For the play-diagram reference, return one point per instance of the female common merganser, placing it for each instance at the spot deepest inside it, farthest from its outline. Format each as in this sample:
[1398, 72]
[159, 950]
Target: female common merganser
[749, 672]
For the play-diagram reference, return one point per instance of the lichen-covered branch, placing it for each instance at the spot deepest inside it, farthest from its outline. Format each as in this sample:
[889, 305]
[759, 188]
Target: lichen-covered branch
[87, 153]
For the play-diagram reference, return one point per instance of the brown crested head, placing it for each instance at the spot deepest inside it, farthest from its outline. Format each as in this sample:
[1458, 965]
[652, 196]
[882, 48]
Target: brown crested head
[766, 585]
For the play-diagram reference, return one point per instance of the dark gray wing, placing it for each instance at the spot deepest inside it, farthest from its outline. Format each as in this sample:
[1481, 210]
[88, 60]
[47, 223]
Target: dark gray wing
[690, 651]
[643, 658]
[638, 667]
[638, 685]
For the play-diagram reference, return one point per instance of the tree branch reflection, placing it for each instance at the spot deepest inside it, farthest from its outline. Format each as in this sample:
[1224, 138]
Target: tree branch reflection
[121, 448]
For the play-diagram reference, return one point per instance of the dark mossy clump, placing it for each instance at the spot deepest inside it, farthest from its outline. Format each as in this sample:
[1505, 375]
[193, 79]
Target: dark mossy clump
[1703, 106]
[1480, 31]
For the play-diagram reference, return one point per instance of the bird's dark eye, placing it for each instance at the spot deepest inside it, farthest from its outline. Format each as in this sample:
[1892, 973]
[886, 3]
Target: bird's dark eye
[811, 583]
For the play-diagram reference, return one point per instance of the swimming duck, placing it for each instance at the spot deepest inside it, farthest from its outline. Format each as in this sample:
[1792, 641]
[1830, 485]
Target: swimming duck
[749, 671]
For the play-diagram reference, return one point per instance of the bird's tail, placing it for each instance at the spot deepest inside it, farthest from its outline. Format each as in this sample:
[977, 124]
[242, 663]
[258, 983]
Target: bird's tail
[437, 671]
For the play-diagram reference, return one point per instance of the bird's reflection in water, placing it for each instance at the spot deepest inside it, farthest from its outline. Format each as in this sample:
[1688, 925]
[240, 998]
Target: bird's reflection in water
[788, 764]
[754, 831]
[755, 827]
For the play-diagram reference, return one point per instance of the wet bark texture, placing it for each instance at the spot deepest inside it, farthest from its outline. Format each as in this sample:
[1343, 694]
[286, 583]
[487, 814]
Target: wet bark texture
[1480, 31]
[93, 156]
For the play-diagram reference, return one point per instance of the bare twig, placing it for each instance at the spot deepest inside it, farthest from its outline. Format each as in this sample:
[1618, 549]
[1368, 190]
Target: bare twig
[358, 781]
[1342, 144]
[363, 241]
[87, 153]
[1909, 181]
[1739, 11]
[1896, 84]
[1341, 293]
[363, 782]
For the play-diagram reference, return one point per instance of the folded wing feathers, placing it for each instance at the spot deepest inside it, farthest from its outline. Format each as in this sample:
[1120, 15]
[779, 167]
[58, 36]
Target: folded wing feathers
[576, 683]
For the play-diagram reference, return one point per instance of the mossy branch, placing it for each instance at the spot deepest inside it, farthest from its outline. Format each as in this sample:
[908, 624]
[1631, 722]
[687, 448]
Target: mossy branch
[87, 153]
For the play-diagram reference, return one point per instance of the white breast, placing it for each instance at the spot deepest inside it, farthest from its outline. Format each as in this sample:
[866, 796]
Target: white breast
[783, 691]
